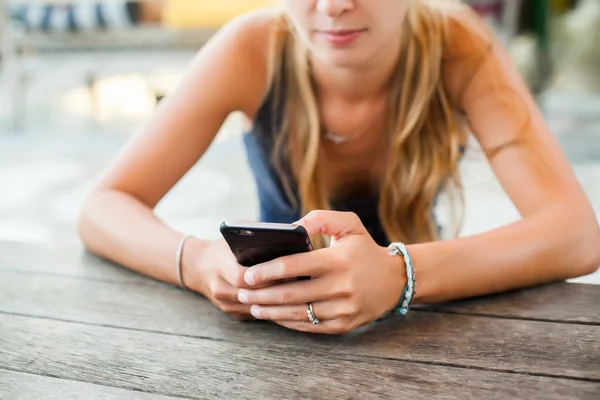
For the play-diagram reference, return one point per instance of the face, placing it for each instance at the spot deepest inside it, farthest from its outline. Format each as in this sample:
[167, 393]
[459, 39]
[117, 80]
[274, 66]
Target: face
[348, 33]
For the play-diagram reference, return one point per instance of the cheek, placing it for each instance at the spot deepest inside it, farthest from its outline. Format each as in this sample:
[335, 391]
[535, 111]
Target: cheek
[390, 25]
[388, 15]
[301, 23]
[298, 13]
[298, 10]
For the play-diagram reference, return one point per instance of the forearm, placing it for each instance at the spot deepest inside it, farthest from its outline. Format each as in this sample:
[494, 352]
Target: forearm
[118, 227]
[557, 243]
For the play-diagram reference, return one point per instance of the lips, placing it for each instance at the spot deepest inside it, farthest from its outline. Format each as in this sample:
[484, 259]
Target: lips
[342, 37]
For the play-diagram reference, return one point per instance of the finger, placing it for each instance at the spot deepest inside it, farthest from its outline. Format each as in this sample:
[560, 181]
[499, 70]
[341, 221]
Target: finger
[322, 310]
[314, 263]
[332, 223]
[243, 317]
[331, 327]
[222, 291]
[233, 274]
[229, 269]
[233, 307]
[298, 292]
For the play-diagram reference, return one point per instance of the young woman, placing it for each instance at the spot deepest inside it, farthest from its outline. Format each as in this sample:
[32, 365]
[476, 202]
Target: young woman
[360, 113]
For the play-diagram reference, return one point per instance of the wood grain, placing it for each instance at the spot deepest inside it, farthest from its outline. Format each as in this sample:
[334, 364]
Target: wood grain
[197, 368]
[532, 347]
[22, 386]
[567, 302]
[68, 260]
[563, 302]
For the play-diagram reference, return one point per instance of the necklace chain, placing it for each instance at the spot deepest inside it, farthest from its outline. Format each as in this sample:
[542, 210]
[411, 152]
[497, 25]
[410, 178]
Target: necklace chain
[338, 139]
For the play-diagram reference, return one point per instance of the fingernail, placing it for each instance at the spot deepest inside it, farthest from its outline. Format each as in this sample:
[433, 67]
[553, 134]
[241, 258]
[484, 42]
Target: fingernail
[249, 278]
[255, 311]
[243, 296]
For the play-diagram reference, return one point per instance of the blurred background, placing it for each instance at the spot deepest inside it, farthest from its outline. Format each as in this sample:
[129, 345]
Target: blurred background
[79, 77]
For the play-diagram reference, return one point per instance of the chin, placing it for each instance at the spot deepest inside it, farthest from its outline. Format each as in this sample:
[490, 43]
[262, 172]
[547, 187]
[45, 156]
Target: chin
[344, 58]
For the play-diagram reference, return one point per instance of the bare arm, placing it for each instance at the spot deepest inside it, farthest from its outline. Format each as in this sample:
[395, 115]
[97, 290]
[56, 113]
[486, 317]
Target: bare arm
[356, 281]
[117, 221]
[558, 236]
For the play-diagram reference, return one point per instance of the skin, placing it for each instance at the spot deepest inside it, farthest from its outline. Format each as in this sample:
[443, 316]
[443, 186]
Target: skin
[354, 281]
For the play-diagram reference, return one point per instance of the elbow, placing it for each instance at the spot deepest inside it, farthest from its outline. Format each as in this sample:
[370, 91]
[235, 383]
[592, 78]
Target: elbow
[592, 264]
[84, 222]
[576, 236]
[590, 267]
[586, 245]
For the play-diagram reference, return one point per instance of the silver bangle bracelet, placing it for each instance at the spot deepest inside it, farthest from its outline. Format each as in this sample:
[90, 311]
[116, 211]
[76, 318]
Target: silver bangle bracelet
[179, 263]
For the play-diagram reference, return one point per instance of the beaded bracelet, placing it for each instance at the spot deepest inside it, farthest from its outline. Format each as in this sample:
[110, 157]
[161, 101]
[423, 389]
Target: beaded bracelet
[409, 291]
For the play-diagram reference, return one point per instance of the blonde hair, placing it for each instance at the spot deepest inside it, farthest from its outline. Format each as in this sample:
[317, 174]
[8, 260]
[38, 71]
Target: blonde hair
[426, 134]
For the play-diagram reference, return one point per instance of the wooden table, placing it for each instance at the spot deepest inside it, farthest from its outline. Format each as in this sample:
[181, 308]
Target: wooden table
[75, 327]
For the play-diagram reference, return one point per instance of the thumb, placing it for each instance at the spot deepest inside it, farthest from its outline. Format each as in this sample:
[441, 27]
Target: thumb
[332, 223]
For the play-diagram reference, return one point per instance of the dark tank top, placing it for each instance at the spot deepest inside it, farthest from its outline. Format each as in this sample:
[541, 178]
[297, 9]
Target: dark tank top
[275, 204]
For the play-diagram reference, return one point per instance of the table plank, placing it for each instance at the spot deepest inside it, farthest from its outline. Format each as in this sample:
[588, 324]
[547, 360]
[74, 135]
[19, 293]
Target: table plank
[566, 302]
[184, 366]
[24, 386]
[533, 347]
[65, 260]
[563, 302]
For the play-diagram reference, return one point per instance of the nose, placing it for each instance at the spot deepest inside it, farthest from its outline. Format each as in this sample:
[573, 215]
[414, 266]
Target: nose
[334, 8]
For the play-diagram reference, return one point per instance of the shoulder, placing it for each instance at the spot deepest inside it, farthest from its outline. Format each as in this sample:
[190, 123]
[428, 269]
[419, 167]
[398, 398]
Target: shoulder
[243, 50]
[465, 33]
[252, 31]
[467, 42]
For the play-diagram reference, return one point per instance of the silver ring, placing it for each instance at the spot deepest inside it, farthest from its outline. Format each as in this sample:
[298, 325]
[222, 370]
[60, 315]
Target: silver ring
[311, 314]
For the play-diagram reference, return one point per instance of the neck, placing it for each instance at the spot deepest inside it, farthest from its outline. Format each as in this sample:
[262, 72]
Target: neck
[357, 84]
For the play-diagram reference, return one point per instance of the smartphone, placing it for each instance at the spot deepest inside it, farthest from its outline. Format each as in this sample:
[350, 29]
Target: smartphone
[259, 242]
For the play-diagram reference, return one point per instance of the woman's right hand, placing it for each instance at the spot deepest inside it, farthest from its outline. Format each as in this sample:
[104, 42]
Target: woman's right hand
[213, 271]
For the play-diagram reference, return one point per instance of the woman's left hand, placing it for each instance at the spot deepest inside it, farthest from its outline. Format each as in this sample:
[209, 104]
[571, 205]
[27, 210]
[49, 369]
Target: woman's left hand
[354, 281]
